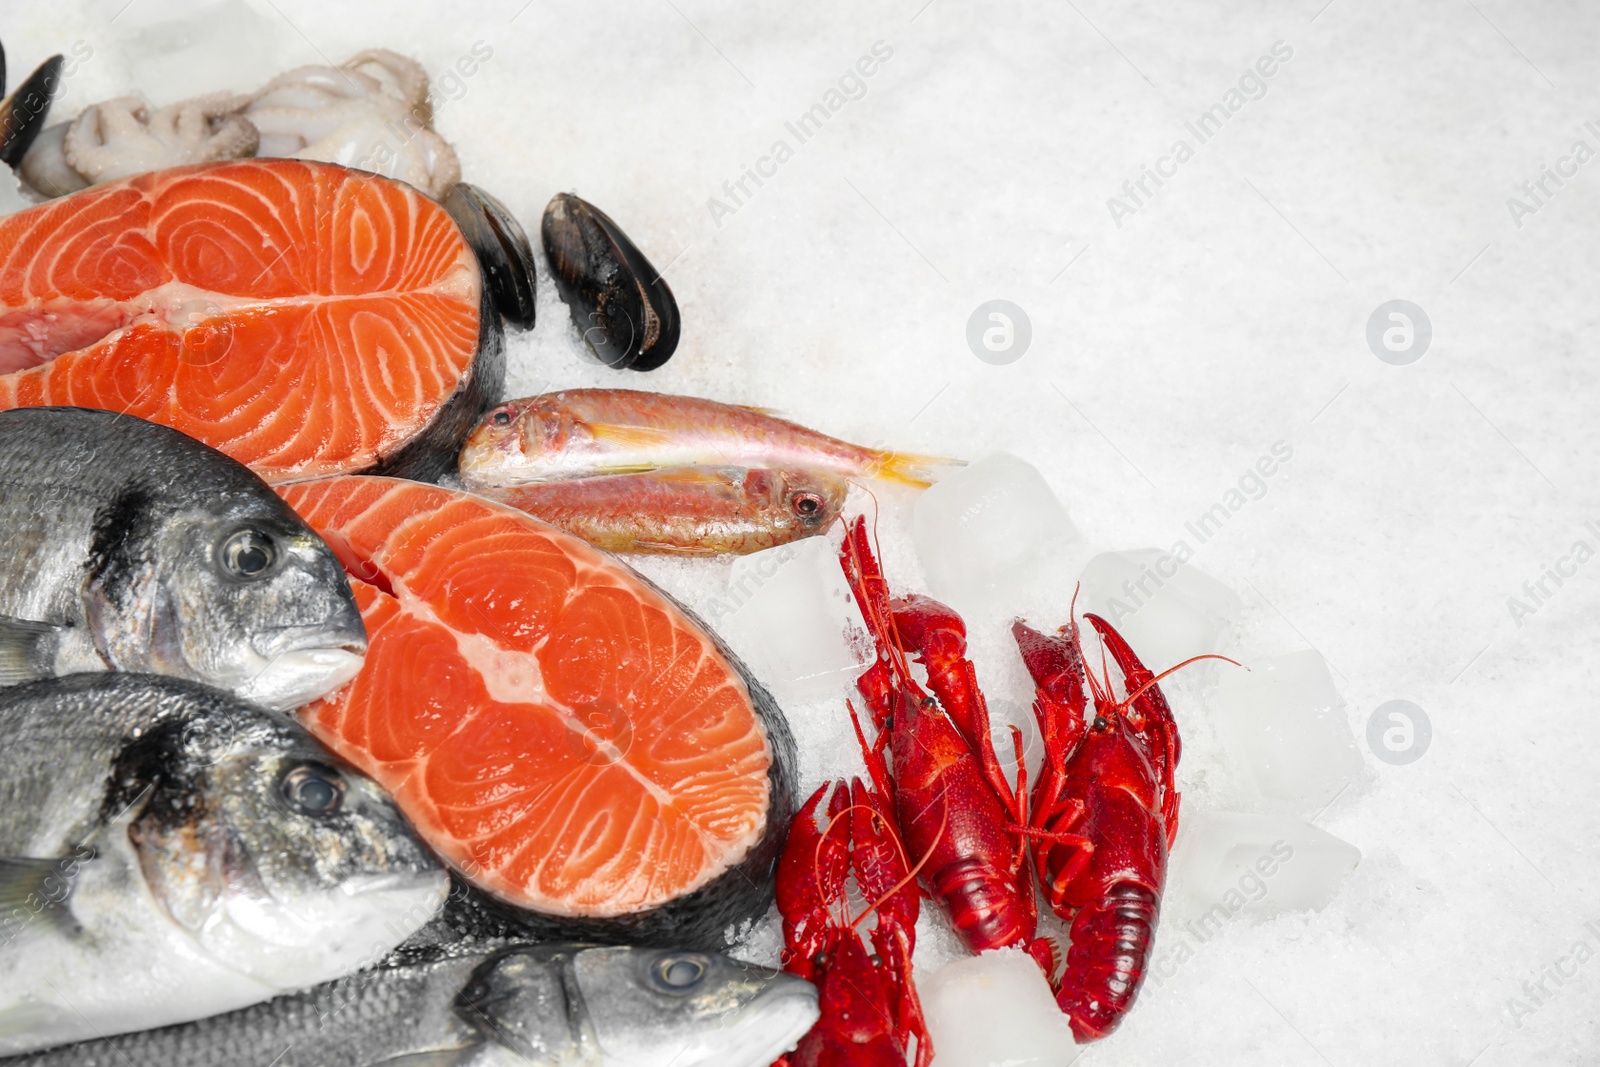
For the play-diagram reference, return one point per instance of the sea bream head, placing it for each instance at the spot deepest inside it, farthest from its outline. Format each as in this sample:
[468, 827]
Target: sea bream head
[148, 551]
[272, 855]
[216, 850]
[640, 1007]
[233, 590]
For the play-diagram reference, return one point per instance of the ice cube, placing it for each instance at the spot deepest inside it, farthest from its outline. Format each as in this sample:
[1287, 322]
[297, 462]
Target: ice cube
[788, 614]
[994, 1009]
[227, 45]
[1227, 865]
[1167, 609]
[982, 530]
[1284, 720]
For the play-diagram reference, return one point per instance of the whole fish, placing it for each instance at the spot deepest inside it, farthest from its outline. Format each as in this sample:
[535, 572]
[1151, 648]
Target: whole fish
[553, 1005]
[686, 510]
[580, 433]
[128, 546]
[168, 852]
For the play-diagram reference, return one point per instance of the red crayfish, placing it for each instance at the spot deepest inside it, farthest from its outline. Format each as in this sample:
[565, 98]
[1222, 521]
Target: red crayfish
[1105, 815]
[869, 1004]
[1094, 830]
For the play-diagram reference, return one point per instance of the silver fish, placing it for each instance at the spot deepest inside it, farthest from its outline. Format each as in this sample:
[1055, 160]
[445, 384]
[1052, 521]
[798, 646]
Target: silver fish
[168, 852]
[554, 1005]
[129, 546]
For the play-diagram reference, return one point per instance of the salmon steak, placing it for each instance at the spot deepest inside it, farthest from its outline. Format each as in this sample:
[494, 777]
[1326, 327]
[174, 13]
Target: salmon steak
[567, 737]
[301, 317]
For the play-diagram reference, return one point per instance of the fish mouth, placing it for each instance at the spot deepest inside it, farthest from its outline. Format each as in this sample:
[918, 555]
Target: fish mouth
[770, 1025]
[488, 453]
[293, 943]
[298, 676]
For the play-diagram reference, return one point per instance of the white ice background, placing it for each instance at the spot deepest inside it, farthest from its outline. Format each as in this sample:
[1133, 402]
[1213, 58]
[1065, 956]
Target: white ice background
[1419, 527]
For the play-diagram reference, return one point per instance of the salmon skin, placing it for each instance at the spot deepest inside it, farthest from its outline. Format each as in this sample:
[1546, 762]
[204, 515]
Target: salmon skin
[581, 433]
[569, 739]
[301, 317]
[690, 511]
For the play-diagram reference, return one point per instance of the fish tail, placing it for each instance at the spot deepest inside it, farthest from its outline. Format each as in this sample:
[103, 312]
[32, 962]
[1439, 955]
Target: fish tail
[911, 468]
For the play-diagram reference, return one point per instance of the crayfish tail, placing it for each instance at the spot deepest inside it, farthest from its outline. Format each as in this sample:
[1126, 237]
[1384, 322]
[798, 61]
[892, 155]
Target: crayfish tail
[1111, 942]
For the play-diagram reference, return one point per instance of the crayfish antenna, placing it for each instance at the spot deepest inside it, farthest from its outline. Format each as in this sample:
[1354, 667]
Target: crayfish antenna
[1175, 668]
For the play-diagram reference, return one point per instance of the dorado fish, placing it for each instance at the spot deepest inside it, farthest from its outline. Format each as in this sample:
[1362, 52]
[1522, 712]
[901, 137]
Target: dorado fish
[128, 546]
[686, 510]
[580, 433]
[168, 852]
[555, 1005]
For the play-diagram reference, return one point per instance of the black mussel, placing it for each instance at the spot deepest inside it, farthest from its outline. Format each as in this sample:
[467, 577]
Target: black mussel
[504, 252]
[620, 302]
[23, 113]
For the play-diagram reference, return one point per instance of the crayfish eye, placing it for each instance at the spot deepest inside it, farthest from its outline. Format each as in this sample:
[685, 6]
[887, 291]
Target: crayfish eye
[1102, 723]
[679, 974]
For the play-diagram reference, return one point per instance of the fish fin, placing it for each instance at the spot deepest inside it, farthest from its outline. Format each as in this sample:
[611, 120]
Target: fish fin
[33, 888]
[452, 1057]
[910, 468]
[25, 649]
[770, 412]
[675, 549]
[605, 470]
[642, 437]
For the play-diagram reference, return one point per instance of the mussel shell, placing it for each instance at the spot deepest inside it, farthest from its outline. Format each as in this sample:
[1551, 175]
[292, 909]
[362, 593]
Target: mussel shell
[620, 302]
[23, 113]
[503, 250]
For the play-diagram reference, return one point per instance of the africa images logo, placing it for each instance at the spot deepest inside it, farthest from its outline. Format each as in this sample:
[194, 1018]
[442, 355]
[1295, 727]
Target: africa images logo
[850, 87]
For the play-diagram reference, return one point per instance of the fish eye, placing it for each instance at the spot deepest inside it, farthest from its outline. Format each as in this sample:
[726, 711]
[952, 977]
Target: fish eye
[313, 789]
[679, 974]
[807, 505]
[248, 554]
[501, 417]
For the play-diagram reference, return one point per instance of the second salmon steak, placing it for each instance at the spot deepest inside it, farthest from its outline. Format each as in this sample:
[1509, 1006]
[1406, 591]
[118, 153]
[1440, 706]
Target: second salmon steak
[560, 731]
